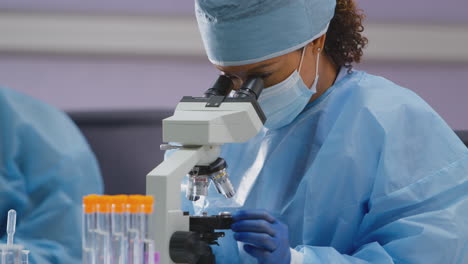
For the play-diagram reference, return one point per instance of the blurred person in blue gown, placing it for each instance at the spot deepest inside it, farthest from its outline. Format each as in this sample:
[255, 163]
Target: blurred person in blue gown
[46, 167]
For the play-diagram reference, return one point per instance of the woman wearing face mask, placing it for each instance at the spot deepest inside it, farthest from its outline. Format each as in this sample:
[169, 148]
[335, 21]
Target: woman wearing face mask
[350, 167]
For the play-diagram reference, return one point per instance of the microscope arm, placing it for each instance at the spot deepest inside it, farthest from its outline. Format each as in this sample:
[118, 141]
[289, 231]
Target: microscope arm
[163, 183]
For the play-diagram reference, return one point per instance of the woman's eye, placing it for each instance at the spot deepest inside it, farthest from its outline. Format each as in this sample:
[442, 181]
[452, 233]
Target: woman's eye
[264, 76]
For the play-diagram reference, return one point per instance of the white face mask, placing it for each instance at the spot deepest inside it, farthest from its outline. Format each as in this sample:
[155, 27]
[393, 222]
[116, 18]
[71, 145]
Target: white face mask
[284, 101]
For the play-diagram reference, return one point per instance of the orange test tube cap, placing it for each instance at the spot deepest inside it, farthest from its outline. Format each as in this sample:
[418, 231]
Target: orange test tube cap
[89, 203]
[104, 204]
[148, 202]
[134, 203]
[119, 203]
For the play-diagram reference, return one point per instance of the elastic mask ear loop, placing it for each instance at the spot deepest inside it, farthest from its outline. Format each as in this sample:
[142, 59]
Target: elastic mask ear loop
[302, 59]
[317, 65]
[314, 85]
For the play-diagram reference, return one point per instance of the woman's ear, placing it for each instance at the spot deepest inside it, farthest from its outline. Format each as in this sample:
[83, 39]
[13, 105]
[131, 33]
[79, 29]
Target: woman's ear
[317, 45]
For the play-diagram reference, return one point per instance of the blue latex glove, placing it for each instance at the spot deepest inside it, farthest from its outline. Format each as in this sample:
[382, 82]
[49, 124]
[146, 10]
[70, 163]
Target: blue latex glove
[266, 238]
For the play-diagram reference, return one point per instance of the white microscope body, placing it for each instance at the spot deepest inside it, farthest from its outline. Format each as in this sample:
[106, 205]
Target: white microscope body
[200, 126]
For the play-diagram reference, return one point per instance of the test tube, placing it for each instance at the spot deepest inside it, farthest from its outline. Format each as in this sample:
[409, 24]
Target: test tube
[24, 256]
[150, 256]
[103, 230]
[119, 242]
[11, 226]
[135, 229]
[10, 254]
[89, 229]
[148, 247]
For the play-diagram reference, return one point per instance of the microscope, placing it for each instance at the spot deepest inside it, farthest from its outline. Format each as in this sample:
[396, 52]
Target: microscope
[199, 127]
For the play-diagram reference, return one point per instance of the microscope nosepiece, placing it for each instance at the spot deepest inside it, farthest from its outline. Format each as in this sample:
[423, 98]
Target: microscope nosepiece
[197, 186]
[199, 180]
[222, 183]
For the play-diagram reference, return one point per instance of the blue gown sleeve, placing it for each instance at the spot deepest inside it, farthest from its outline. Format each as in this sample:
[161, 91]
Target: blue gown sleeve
[46, 169]
[417, 210]
[425, 222]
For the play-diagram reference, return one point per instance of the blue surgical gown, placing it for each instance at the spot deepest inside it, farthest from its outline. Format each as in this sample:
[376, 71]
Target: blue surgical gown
[367, 173]
[46, 167]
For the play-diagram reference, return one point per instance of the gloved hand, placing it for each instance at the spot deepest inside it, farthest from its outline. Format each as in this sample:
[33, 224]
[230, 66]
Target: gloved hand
[266, 238]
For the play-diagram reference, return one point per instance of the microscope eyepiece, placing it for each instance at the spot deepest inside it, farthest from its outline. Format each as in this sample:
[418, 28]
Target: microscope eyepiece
[251, 88]
[222, 87]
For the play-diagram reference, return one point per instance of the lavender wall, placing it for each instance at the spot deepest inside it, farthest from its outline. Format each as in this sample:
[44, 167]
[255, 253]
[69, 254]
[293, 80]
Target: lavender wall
[432, 11]
[86, 83]
[114, 83]
[92, 84]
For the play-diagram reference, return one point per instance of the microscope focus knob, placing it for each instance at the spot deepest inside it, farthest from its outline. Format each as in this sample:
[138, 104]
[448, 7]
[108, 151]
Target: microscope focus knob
[186, 247]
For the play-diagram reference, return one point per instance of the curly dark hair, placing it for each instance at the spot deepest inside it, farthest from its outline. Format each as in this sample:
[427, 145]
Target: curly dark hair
[344, 42]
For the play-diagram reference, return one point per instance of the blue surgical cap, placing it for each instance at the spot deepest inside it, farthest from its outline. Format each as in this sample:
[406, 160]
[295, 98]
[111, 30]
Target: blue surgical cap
[239, 32]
